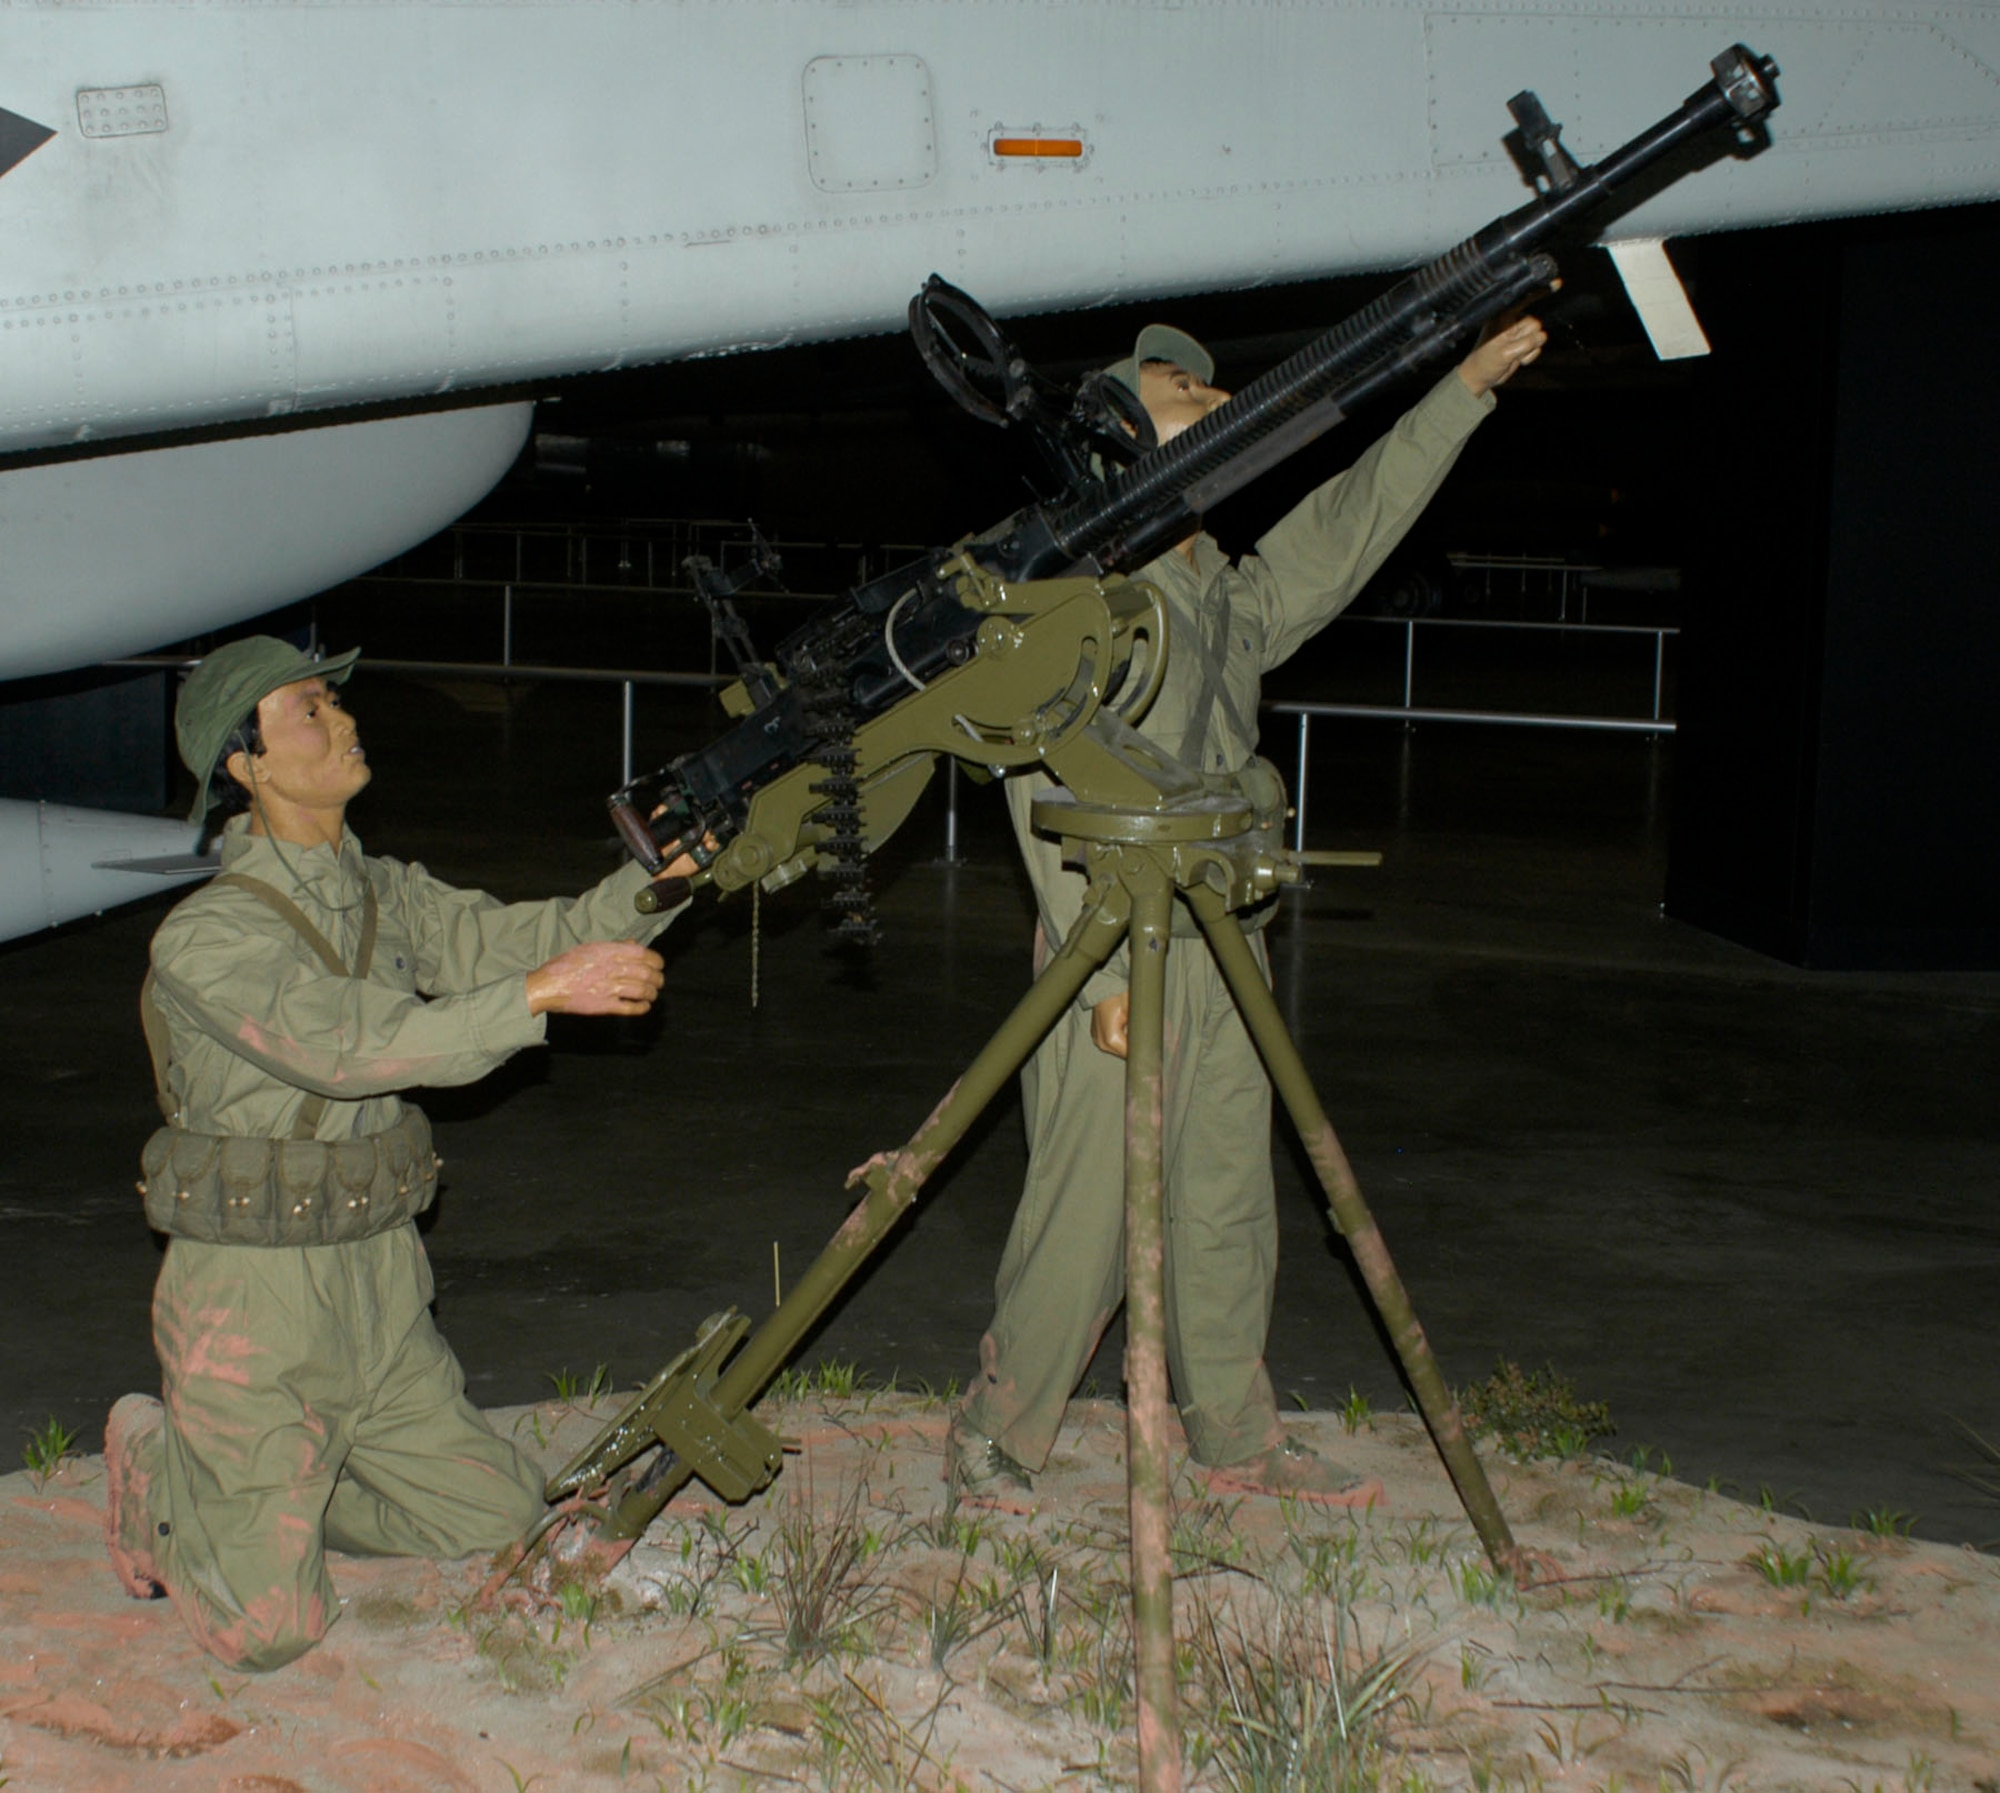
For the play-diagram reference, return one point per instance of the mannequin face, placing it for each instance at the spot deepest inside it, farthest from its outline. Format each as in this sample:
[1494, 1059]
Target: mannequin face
[1175, 398]
[312, 761]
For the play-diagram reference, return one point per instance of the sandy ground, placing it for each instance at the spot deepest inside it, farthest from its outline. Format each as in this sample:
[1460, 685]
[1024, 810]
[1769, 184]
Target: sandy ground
[843, 1630]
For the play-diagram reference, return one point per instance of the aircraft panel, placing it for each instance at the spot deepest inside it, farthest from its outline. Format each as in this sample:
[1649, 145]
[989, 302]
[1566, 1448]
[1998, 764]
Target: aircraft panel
[1874, 98]
[1873, 94]
[371, 337]
[533, 154]
[138, 361]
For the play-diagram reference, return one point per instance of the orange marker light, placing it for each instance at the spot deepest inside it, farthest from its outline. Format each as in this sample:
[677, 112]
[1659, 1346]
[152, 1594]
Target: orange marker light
[1071, 147]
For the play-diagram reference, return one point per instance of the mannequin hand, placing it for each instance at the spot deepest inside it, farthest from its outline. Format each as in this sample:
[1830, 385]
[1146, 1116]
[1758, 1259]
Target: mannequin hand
[1503, 354]
[1109, 1022]
[601, 977]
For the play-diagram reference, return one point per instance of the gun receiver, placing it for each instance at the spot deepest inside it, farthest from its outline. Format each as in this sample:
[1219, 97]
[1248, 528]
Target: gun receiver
[927, 624]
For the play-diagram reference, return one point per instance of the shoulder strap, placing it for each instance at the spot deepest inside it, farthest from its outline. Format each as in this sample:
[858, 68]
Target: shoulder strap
[1213, 646]
[364, 952]
[282, 905]
[155, 1025]
[307, 1124]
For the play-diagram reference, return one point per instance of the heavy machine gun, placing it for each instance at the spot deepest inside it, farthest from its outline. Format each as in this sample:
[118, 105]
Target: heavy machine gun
[1023, 646]
[837, 737]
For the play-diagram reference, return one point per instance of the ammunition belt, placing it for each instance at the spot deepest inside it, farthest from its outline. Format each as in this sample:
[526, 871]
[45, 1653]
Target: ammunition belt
[226, 1189]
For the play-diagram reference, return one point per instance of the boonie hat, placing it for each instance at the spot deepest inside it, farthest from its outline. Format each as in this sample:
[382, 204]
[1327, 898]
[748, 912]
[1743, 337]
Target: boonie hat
[1162, 342]
[223, 692]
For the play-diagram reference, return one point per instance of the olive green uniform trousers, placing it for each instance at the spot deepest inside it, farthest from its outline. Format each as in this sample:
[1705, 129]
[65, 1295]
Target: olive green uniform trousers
[1063, 1273]
[313, 1405]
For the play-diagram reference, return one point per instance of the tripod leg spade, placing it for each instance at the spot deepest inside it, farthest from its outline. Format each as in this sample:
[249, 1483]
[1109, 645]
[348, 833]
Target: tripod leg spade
[1357, 1226]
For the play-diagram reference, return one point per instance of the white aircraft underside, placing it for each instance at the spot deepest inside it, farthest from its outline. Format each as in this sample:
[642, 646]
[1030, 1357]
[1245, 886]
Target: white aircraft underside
[253, 209]
[225, 213]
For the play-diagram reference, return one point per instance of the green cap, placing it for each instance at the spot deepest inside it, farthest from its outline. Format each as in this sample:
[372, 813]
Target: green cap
[223, 693]
[1162, 342]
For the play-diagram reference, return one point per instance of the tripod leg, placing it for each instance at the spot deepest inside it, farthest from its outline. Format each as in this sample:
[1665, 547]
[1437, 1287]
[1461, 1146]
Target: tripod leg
[1357, 1226]
[892, 1179]
[1148, 1469]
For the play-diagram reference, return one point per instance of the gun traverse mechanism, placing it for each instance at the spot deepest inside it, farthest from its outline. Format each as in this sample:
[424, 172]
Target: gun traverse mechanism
[806, 775]
[1024, 646]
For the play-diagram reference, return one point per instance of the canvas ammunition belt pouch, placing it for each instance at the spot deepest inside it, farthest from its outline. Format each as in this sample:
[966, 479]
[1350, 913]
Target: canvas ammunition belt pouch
[227, 1189]
[232, 1189]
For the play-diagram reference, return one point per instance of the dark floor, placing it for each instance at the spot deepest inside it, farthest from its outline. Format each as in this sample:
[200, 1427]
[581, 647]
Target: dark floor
[1751, 1208]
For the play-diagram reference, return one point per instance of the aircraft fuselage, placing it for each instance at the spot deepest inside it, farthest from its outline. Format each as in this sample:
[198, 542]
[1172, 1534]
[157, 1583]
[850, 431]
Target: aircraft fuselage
[250, 210]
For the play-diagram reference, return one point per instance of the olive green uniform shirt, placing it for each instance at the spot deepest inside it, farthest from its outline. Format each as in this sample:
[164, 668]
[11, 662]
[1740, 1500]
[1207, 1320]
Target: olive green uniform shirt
[1230, 623]
[256, 1023]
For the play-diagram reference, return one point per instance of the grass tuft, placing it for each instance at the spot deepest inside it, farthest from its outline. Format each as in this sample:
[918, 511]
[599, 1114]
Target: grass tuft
[1884, 1522]
[1534, 1413]
[48, 1444]
[1782, 1568]
[835, 1379]
[1839, 1571]
[579, 1391]
[1204, 1540]
[861, 1743]
[820, 1580]
[1628, 1501]
[1292, 1703]
[963, 1615]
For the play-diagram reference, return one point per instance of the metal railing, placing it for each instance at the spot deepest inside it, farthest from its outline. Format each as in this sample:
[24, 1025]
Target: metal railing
[627, 682]
[633, 556]
[1660, 632]
[716, 539]
[1526, 578]
[1409, 711]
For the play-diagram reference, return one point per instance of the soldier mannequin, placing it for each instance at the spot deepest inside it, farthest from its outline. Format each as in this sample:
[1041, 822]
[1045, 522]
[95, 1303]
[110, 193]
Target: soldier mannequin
[310, 1402]
[1062, 1275]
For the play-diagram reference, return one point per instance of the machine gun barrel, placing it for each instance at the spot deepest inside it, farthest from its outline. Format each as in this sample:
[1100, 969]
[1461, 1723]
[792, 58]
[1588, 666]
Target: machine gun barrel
[895, 633]
[1418, 321]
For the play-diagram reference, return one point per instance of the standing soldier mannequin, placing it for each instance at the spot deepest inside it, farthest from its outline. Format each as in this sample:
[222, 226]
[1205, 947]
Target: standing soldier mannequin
[310, 1401]
[1062, 1275]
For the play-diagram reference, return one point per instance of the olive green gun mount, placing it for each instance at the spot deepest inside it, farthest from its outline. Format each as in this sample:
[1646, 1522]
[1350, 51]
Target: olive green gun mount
[1063, 669]
[1056, 669]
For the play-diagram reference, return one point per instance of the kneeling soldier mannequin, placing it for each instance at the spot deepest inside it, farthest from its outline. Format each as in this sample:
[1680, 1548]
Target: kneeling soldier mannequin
[309, 1400]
